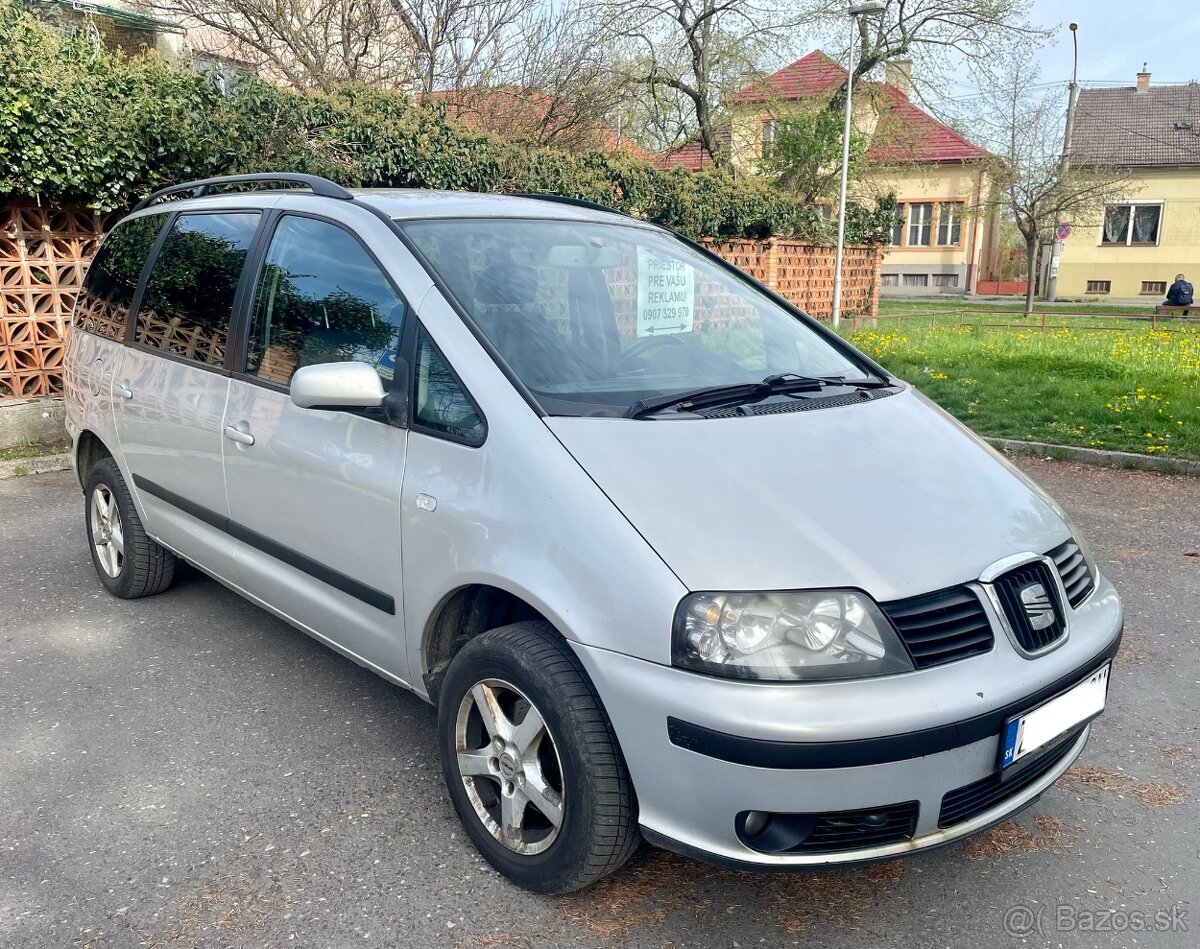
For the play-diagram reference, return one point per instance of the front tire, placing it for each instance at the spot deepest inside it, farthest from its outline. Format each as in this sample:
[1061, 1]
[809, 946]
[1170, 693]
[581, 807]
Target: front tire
[127, 561]
[531, 762]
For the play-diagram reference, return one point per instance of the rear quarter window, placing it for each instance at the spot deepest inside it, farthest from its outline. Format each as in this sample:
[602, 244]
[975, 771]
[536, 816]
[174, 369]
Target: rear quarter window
[112, 279]
[189, 296]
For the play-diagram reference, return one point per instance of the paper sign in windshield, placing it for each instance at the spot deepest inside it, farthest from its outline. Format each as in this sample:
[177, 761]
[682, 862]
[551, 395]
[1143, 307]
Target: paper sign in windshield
[666, 295]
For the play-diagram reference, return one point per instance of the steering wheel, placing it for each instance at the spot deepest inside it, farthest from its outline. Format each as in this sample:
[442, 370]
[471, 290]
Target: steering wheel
[641, 348]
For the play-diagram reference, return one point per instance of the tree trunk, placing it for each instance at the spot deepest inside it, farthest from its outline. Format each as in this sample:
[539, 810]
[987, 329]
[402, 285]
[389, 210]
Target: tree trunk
[1031, 248]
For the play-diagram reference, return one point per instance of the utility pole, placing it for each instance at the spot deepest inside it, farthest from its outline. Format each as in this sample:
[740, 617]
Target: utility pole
[854, 12]
[1064, 165]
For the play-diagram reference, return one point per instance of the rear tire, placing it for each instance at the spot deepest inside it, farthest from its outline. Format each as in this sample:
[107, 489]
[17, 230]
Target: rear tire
[127, 561]
[526, 745]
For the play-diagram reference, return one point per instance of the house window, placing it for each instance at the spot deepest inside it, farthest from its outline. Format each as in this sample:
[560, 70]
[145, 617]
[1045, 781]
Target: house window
[770, 129]
[916, 279]
[896, 238]
[1131, 224]
[889, 280]
[945, 280]
[1155, 288]
[920, 225]
[950, 214]
[1099, 286]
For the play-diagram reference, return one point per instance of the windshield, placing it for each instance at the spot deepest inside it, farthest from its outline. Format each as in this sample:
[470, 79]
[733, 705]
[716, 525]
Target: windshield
[593, 318]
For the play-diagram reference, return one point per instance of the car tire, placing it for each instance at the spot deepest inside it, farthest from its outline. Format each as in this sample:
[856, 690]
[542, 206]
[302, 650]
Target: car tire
[127, 561]
[525, 674]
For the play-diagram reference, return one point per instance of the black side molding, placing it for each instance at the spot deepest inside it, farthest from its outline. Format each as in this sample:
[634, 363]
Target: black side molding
[293, 558]
[764, 753]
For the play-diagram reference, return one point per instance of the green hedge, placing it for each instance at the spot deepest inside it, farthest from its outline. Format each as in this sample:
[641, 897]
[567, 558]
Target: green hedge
[84, 126]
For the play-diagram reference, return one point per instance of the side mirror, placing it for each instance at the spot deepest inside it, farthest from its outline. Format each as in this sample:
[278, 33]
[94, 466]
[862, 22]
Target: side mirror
[337, 385]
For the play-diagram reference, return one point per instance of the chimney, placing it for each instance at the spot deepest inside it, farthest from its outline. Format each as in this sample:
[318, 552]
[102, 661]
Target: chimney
[1143, 79]
[898, 72]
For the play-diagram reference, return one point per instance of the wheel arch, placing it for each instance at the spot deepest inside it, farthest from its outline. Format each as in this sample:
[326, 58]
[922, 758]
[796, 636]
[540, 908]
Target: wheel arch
[89, 449]
[463, 614]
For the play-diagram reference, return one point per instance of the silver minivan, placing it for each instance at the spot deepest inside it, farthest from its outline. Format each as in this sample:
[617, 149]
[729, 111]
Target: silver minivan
[673, 561]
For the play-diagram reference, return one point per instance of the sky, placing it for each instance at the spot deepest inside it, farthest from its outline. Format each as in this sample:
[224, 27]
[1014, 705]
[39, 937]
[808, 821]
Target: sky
[1117, 36]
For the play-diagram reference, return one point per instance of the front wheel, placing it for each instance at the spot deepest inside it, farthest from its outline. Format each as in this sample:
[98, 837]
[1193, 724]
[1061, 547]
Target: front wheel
[531, 762]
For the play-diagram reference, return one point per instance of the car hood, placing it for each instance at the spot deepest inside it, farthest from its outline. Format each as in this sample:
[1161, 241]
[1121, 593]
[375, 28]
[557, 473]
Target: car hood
[891, 496]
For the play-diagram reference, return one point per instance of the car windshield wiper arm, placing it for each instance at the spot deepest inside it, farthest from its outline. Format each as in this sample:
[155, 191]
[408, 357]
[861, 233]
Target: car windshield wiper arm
[782, 382]
[865, 383]
[696, 398]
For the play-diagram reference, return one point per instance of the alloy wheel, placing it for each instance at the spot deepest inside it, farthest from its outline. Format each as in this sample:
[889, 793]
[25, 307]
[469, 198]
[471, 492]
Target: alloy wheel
[509, 764]
[108, 533]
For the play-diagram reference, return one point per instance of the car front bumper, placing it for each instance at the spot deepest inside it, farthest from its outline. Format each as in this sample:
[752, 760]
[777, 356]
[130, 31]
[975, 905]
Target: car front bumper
[701, 750]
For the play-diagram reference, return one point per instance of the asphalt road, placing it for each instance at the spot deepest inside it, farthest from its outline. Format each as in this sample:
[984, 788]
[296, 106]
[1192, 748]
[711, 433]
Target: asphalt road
[187, 771]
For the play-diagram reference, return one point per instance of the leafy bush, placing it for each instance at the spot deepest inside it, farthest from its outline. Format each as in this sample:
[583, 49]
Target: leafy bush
[81, 125]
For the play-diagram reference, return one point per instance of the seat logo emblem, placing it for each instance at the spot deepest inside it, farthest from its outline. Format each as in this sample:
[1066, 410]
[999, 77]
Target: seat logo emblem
[1037, 605]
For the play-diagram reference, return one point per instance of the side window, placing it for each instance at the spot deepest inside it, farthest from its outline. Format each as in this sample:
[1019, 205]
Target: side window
[112, 278]
[189, 296]
[440, 403]
[321, 298]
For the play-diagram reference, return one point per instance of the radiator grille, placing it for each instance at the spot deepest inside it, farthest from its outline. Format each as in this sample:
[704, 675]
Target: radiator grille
[941, 627]
[968, 801]
[1073, 569]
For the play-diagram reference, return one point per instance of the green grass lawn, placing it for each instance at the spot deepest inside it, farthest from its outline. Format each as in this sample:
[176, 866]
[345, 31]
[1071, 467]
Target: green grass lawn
[1130, 391]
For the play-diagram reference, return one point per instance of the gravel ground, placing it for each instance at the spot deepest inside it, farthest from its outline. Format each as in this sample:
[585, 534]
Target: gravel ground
[187, 771]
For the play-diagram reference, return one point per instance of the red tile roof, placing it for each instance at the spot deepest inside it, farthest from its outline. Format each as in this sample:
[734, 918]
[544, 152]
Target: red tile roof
[520, 113]
[905, 133]
[808, 77]
[690, 155]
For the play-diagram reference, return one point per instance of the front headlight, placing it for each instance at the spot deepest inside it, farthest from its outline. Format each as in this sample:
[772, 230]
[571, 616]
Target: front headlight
[823, 634]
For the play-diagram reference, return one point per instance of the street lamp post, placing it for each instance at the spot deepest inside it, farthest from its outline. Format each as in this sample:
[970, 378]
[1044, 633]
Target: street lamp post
[1064, 165]
[854, 12]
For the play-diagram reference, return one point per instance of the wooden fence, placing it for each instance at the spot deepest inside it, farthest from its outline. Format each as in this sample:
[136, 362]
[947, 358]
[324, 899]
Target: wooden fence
[45, 250]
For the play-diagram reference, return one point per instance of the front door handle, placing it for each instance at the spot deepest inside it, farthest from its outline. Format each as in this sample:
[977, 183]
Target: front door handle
[236, 434]
[123, 390]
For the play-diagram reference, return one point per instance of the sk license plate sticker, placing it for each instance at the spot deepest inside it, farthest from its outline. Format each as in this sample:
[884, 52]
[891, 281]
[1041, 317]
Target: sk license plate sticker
[1029, 732]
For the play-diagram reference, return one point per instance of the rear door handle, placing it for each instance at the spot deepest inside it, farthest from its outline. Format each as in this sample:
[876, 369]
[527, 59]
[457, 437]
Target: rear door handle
[236, 434]
[123, 390]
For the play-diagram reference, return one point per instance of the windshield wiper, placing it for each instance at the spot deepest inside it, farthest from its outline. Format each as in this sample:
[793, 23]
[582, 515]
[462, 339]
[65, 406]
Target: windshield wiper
[778, 384]
[833, 380]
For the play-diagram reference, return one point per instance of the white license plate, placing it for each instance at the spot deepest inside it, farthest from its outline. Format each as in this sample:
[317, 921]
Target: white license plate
[1027, 733]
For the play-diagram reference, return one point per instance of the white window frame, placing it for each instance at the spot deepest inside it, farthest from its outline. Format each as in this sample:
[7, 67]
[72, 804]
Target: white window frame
[1129, 242]
[924, 222]
[765, 140]
[950, 207]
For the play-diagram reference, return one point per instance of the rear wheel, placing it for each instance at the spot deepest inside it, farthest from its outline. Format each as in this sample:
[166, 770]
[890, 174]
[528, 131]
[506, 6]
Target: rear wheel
[127, 561]
[531, 763]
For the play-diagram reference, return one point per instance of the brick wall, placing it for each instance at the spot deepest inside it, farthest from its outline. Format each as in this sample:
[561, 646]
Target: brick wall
[43, 253]
[113, 35]
[804, 274]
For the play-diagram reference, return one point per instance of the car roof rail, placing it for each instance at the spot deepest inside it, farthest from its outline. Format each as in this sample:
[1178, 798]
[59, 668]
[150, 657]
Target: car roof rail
[315, 183]
[564, 199]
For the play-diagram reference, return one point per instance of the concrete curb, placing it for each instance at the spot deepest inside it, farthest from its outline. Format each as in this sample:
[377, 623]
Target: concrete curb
[20, 467]
[1097, 456]
[36, 421]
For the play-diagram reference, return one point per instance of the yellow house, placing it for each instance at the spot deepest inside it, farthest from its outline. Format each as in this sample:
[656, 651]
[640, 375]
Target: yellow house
[1136, 246]
[941, 243]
